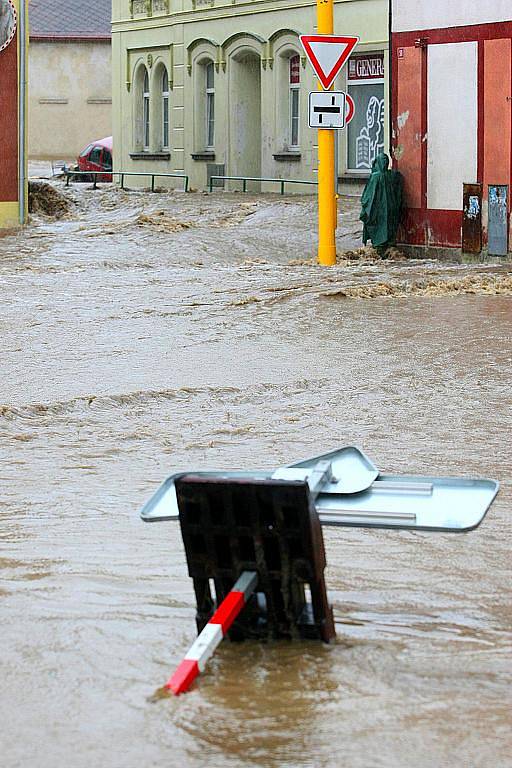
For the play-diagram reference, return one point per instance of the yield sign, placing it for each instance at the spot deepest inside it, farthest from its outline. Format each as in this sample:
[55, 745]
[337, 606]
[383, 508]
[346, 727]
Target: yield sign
[328, 54]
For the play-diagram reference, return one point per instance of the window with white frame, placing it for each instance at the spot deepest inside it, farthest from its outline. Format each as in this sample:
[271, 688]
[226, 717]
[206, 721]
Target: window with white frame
[294, 85]
[210, 105]
[145, 111]
[165, 110]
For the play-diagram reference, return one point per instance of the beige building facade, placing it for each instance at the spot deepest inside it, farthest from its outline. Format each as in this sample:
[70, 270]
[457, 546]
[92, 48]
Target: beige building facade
[221, 87]
[70, 76]
[70, 101]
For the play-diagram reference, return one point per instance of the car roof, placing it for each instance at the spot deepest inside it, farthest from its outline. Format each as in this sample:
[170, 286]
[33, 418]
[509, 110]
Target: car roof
[105, 143]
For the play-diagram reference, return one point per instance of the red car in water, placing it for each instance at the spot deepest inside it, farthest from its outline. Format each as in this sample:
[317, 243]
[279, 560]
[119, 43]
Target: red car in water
[97, 156]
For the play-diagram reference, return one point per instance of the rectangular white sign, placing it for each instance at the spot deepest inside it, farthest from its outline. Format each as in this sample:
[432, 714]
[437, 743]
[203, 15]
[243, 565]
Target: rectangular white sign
[327, 109]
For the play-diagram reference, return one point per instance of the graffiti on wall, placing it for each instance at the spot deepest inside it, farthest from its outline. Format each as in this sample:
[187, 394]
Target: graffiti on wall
[370, 141]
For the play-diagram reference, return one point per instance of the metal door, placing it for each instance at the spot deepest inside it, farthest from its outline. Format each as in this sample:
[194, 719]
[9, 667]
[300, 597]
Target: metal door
[472, 219]
[498, 220]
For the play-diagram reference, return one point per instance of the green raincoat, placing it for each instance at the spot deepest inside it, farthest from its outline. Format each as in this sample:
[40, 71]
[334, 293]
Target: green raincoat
[381, 204]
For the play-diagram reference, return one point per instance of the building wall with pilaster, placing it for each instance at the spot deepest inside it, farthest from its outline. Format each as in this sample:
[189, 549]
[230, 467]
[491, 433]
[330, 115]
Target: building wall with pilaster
[249, 44]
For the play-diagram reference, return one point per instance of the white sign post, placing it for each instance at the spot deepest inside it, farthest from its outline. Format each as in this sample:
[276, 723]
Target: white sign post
[327, 109]
[330, 109]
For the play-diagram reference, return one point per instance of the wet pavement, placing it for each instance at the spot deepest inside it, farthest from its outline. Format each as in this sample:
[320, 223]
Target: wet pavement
[144, 334]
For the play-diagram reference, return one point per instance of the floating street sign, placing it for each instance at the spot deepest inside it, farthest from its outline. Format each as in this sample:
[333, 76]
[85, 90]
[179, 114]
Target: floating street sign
[255, 539]
[327, 109]
[260, 525]
[264, 537]
[332, 109]
[327, 55]
[351, 492]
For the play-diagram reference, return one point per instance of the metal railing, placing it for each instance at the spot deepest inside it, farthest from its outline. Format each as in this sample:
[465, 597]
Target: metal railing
[59, 167]
[122, 175]
[69, 174]
[245, 179]
[154, 176]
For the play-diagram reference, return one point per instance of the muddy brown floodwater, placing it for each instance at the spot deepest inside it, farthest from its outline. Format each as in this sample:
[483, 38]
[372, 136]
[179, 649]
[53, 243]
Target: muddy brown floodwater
[142, 334]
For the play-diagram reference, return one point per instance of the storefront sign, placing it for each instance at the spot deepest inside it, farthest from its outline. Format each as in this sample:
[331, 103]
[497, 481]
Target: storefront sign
[366, 67]
[295, 70]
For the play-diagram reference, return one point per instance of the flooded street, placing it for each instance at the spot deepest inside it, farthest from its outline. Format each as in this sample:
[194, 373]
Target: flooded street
[144, 334]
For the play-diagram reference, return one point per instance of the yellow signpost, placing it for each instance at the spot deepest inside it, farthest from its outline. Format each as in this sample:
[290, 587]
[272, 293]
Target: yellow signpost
[328, 112]
[327, 203]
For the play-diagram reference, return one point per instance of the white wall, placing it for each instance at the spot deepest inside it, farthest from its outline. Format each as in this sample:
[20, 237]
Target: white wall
[452, 122]
[435, 14]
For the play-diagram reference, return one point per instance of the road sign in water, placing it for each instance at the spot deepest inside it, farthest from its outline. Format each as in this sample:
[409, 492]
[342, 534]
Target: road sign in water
[257, 537]
[348, 490]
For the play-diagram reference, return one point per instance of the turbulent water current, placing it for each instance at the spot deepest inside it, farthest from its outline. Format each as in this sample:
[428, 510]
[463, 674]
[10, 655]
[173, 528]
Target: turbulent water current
[144, 334]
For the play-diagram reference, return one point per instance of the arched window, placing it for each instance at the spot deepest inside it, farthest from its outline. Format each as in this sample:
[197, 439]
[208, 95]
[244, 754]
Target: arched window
[145, 111]
[210, 105]
[294, 87]
[165, 110]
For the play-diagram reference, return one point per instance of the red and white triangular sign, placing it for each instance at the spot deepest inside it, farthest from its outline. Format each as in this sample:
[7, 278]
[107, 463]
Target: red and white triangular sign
[328, 54]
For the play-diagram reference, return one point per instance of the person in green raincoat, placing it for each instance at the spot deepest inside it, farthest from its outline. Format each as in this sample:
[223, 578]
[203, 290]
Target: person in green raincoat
[381, 205]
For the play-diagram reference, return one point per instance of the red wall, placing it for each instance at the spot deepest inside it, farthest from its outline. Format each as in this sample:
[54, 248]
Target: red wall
[9, 123]
[422, 226]
[408, 124]
[497, 113]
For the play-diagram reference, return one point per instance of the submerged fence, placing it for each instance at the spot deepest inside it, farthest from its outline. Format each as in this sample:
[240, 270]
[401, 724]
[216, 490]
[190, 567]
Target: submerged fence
[93, 175]
[122, 174]
[245, 179]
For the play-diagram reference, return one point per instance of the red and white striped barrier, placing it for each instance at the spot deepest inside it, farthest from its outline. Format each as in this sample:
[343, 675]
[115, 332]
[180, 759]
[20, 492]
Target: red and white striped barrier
[213, 634]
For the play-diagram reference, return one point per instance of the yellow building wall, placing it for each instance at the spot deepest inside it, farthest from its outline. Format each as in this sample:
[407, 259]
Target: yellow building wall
[9, 215]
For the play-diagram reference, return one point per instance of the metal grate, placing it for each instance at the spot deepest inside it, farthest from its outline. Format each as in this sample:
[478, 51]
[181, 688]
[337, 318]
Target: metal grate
[267, 526]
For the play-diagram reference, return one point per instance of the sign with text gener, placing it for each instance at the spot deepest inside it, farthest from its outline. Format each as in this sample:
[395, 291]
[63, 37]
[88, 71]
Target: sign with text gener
[369, 67]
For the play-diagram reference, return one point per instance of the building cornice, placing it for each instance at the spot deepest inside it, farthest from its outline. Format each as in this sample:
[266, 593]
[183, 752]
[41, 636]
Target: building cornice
[227, 10]
[70, 38]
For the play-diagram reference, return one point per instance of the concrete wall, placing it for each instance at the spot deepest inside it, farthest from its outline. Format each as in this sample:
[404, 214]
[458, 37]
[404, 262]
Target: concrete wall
[70, 92]
[436, 14]
[237, 37]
